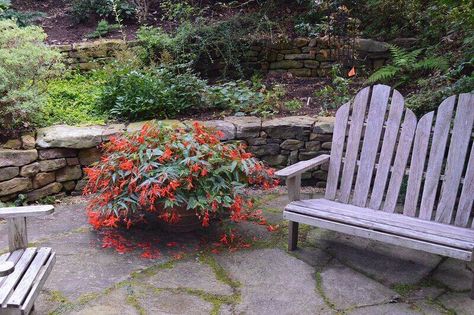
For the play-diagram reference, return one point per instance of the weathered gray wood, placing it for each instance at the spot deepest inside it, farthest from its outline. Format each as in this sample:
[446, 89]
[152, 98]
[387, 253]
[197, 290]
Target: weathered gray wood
[27, 281]
[337, 149]
[6, 268]
[292, 235]
[394, 219]
[12, 257]
[17, 235]
[374, 223]
[467, 195]
[380, 236]
[26, 211]
[438, 147]
[370, 146]
[417, 165]
[359, 107]
[35, 290]
[12, 280]
[387, 151]
[460, 138]
[294, 190]
[302, 166]
[401, 159]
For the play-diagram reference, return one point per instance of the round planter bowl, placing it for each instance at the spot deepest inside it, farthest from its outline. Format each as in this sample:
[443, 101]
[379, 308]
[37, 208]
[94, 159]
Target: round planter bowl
[188, 222]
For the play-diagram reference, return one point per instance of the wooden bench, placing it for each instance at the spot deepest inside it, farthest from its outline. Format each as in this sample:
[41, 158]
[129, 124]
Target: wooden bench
[23, 270]
[378, 147]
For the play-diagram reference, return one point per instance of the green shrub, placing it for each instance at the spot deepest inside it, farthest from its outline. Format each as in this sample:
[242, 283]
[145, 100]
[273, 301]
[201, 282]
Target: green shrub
[73, 100]
[160, 92]
[20, 17]
[293, 105]
[405, 66]
[103, 28]
[82, 10]
[25, 60]
[205, 42]
[337, 93]
[236, 95]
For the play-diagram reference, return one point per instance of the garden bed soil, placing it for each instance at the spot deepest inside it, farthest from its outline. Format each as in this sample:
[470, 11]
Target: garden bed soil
[62, 28]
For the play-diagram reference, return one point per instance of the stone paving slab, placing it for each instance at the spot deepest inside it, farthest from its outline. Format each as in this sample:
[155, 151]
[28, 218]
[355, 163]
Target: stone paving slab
[273, 282]
[346, 288]
[455, 274]
[458, 302]
[173, 303]
[83, 267]
[387, 309]
[387, 263]
[191, 275]
[111, 304]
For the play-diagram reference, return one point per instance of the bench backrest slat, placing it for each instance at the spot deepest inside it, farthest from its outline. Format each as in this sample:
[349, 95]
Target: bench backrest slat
[387, 151]
[358, 114]
[458, 147]
[417, 164]
[373, 131]
[373, 152]
[401, 160]
[436, 158]
[337, 149]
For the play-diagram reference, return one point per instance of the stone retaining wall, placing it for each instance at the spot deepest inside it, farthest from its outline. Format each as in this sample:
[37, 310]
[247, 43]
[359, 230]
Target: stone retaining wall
[51, 160]
[301, 57]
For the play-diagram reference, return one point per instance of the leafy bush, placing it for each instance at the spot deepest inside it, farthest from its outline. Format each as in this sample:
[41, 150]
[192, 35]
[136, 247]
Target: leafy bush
[177, 11]
[21, 18]
[236, 95]
[293, 105]
[160, 92]
[103, 28]
[336, 94]
[158, 170]
[405, 65]
[84, 9]
[25, 60]
[73, 100]
[204, 42]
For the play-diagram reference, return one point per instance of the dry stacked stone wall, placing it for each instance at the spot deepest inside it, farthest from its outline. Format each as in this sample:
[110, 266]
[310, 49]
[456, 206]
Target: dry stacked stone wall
[303, 57]
[52, 160]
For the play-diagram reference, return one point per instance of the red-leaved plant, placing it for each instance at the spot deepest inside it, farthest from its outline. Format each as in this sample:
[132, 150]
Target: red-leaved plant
[153, 171]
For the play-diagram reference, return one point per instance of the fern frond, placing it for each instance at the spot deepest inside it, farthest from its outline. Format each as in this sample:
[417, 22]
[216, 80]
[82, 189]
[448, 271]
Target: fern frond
[383, 74]
[431, 63]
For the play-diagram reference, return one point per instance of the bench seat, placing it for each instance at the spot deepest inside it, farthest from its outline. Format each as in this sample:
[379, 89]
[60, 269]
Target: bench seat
[19, 289]
[393, 228]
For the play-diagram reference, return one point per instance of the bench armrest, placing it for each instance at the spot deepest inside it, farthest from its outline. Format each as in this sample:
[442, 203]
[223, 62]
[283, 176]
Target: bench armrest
[26, 211]
[303, 166]
[6, 268]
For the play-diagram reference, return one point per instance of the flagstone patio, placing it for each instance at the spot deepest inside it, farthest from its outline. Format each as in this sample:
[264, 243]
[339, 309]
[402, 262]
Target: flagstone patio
[331, 273]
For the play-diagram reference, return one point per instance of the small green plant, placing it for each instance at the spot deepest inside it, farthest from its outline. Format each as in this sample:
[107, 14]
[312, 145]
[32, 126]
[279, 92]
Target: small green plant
[337, 93]
[177, 11]
[82, 10]
[236, 95]
[103, 28]
[293, 105]
[406, 66]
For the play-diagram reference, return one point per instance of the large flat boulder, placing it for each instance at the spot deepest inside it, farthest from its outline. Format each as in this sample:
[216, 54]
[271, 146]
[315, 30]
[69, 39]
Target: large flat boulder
[292, 127]
[245, 126]
[62, 136]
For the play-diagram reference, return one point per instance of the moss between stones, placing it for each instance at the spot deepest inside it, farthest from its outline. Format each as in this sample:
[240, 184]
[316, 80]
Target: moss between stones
[320, 291]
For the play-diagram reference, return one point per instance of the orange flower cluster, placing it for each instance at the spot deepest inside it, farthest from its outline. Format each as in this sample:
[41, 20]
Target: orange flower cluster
[160, 168]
